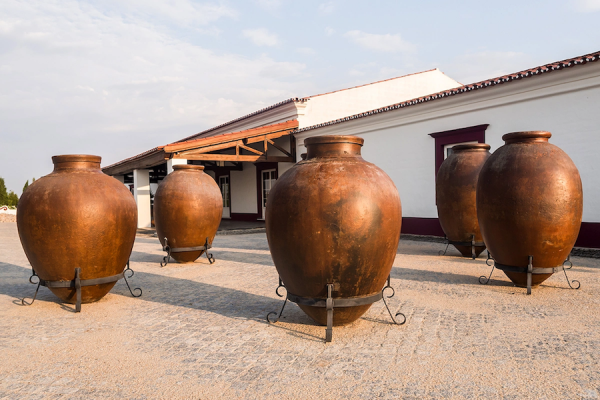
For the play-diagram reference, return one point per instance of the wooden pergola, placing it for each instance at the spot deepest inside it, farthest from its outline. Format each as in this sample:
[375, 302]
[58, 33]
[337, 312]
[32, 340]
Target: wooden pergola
[233, 147]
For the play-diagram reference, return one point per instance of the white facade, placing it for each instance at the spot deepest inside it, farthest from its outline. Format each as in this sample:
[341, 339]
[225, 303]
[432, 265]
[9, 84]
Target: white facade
[566, 103]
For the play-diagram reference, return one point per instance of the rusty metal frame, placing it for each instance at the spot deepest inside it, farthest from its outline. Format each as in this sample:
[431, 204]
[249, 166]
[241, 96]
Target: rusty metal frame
[330, 303]
[530, 271]
[170, 250]
[78, 283]
[472, 244]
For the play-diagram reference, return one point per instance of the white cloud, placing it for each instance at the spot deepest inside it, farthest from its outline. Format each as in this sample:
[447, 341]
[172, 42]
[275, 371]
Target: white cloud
[384, 43]
[261, 37]
[307, 51]
[76, 79]
[587, 5]
[270, 5]
[329, 31]
[326, 8]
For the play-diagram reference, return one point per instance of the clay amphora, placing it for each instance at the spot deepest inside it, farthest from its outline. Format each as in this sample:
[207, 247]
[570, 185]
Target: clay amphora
[77, 217]
[455, 190]
[187, 209]
[334, 218]
[529, 203]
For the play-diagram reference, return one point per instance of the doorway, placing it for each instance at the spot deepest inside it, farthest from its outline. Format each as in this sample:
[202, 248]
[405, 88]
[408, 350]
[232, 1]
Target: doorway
[269, 177]
[224, 186]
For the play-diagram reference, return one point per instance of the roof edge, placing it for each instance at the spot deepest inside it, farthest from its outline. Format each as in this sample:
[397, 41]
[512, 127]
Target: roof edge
[528, 73]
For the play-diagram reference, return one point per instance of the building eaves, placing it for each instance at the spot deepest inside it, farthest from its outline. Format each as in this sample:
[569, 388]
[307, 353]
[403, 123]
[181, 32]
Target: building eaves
[262, 110]
[147, 153]
[528, 73]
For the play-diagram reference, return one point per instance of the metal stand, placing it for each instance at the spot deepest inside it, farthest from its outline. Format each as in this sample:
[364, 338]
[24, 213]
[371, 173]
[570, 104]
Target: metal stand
[472, 243]
[78, 283]
[170, 250]
[530, 271]
[330, 303]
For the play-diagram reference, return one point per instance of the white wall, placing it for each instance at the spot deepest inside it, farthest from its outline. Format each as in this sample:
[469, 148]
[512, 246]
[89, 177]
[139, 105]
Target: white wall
[563, 102]
[343, 103]
[243, 190]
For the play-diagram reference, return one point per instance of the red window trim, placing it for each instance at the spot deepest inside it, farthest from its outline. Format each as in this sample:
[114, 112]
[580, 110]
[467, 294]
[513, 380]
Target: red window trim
[470, 134]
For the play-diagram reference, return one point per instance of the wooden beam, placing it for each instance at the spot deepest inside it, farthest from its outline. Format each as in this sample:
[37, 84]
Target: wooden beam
[282, 129]
[250, 149]
[274, 135]
[281, 149]
[212, 148]
[233, 157]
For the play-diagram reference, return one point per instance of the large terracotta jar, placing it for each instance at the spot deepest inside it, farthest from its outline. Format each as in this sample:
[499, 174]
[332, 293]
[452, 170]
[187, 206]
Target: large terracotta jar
[529, 203]
[77, 217]
[455, 190]
[187, 209]
[334, 218]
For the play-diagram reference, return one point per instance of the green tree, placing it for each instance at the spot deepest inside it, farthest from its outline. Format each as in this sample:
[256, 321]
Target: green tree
[3, 193]
[12, 199]
[26, 185]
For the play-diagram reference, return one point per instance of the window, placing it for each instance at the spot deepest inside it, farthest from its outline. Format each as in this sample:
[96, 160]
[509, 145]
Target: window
[445, 140]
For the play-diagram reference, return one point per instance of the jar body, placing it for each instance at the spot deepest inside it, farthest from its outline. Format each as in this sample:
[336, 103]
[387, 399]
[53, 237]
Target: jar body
[334, 218]
[77, 217]
[455, 190]
[529, 203]
[187, 210]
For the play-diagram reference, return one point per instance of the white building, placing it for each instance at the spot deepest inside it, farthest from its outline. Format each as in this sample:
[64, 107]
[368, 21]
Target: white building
[407, 124]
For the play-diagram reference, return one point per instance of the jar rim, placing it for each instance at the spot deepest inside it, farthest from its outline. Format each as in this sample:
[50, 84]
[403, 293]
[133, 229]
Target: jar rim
[524, 135]
[76, 158]
[471, 146]
[334, 139]
[188, 167]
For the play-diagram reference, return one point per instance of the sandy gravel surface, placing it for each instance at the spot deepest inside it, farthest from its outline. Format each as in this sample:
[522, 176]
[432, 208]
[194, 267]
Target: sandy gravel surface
[8, 217]
[199, 332]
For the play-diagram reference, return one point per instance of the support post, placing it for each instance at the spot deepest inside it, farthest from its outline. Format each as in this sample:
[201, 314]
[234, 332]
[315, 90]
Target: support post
[174, 161]
[141, 193]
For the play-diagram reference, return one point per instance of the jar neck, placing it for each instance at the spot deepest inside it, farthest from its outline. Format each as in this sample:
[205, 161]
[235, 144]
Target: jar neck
[77, 162]
[333, 147]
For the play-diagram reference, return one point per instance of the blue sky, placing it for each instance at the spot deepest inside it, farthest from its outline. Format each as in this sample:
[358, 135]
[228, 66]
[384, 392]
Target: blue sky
[118, 77]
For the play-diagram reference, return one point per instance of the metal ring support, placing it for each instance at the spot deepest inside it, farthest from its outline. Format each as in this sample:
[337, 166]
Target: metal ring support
[330, 303]
[530, 270]
[471, 244]
[170, 250]
[77, 283]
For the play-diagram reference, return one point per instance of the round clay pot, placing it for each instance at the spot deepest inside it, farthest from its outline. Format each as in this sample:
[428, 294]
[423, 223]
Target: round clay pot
[334, 218]
[77, 217]
[529, 203]
[187, 209]
[455, 190]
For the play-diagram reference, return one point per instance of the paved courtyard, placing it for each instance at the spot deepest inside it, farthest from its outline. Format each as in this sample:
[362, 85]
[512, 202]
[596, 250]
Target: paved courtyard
[199, 331]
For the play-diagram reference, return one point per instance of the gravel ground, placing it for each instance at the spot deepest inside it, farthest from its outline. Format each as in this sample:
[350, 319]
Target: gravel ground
[199, 332]
[8, 217]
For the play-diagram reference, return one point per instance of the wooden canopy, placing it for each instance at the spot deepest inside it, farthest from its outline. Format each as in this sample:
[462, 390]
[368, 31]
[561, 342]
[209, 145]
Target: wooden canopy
[217, 148]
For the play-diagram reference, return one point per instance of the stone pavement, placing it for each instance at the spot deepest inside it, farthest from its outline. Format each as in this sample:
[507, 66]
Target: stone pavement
[199, 331]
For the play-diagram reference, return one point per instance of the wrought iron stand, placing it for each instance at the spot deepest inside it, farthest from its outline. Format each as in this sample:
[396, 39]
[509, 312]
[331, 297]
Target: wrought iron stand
[330, 303]
[472, 243]
[529, 270]
[78, 283]
[170, 250]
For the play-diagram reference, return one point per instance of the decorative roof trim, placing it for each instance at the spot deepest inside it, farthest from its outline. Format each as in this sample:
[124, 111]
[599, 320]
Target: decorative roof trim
[528, 73]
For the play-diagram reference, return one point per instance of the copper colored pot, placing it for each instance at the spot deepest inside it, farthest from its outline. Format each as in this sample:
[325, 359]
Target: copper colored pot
[77, 217]
[455, 190]
[187, 209]
[334, 218]
[529, 203]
